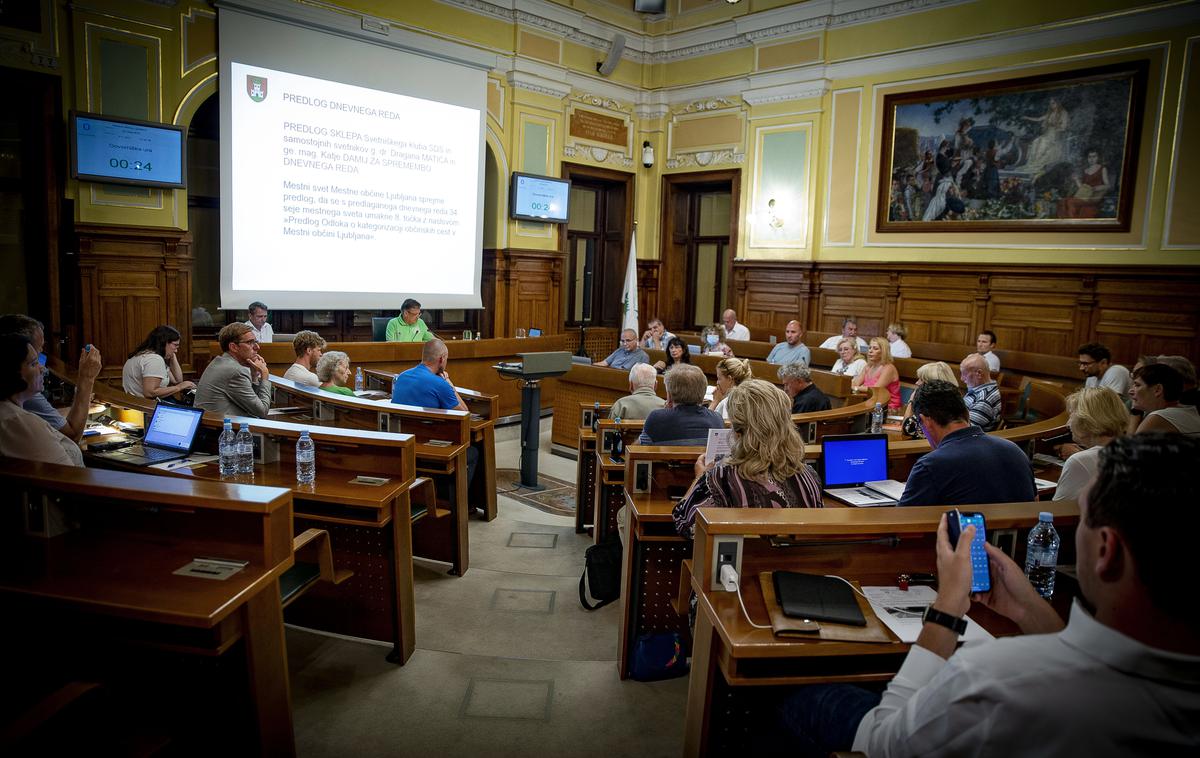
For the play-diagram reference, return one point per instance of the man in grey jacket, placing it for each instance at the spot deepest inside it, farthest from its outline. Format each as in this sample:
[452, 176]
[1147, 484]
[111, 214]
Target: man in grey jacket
[641, 398]
[237, 382]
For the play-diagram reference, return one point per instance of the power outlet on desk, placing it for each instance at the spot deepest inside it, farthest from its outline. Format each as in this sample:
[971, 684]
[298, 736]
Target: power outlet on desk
[727, 549]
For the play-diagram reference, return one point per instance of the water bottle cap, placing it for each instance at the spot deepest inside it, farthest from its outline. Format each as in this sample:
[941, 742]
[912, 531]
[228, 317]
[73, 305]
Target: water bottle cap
[1046, 516]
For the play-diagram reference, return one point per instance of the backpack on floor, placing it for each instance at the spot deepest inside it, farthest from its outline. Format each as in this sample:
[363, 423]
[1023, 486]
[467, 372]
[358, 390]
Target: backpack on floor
[601, 573]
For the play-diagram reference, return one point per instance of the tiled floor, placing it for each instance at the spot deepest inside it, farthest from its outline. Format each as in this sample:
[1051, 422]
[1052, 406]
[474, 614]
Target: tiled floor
[507, 662]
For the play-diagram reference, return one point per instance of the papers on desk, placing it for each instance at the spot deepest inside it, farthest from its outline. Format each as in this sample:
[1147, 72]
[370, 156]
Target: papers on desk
[192, 461]
[720, 442]
[1046, 459]
[1044, 485]
[94, 430]
[902, 611]
[212, 568]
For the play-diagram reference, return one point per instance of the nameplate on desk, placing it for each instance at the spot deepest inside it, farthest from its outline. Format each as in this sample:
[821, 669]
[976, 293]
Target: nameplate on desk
[439, 443]
[370, 481]
[388, 422]
[211, 568]
[322, 411]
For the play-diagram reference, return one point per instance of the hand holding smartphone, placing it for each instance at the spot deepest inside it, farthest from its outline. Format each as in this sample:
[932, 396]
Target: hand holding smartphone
[956, 521]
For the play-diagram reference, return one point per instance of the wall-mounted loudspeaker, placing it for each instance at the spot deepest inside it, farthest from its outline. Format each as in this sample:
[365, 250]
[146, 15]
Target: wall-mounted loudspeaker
[606, 66]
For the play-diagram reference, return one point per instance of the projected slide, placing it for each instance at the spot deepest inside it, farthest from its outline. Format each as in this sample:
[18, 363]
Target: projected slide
[342, 189]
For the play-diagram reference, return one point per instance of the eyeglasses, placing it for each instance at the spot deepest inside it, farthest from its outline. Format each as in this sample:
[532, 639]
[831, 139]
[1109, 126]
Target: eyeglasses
[1085, 364]
[250, 341]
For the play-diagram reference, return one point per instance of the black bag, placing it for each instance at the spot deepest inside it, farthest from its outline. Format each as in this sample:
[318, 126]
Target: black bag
[602, 572]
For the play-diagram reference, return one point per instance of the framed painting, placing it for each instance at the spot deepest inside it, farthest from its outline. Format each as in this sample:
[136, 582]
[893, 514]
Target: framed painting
[1042, 153]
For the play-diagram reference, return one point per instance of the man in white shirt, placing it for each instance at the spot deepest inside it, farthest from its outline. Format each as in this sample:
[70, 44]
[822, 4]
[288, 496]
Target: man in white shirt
[1121, 678]
[1095, 363]
[985, 343]
[258, 322]
[791, 350]
[308, 346]
[849, 329]
[734, 330]
[895, 335]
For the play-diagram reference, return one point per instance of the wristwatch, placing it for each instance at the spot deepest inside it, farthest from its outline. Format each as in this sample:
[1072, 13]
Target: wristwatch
[955, 624]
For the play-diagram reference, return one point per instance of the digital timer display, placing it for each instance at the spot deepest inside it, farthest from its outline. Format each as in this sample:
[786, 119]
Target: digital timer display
[539, 198]
[122, 151]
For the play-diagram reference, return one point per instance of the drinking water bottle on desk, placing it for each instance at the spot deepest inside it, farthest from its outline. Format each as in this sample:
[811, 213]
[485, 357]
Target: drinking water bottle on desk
[306, 459]
[227, 449]
[877, 419]
[245, 450]
[359, 384]
[595, 417]
[1041, 555]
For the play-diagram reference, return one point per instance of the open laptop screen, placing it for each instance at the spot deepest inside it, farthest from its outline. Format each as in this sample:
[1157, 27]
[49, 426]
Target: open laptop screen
[853, 459]
[173, 427]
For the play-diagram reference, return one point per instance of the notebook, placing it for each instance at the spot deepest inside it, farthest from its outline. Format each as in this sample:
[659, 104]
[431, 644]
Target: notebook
[170, 435]
[817, 598]
[854, 470]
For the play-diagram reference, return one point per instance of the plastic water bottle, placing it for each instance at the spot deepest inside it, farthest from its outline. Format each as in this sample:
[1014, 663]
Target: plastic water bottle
[877, 419]
[359, 384]
[595, 417]
[245, 450]
[1041, 555]
[228, 451]
[306, 459]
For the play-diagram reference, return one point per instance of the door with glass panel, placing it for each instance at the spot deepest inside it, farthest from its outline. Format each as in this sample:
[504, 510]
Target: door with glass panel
[595, 254]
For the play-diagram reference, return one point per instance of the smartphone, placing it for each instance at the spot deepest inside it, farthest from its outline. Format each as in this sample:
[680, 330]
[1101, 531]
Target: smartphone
[956, 521]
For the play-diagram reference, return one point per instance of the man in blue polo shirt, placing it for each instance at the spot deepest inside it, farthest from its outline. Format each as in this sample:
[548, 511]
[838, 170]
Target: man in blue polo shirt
[627, 355]
[966, 466]
[427, 384]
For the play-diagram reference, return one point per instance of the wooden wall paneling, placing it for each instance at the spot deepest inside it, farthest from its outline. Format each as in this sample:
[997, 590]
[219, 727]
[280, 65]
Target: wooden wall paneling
[861, 292]
[770, 295]
[522, 289]
[937, 308]
[647, 283]
[1136, 316]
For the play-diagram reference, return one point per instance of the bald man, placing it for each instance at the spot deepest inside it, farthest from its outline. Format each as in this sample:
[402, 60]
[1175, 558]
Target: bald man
[983, 396]
[734, 330]
[428, 384]
[791, 350]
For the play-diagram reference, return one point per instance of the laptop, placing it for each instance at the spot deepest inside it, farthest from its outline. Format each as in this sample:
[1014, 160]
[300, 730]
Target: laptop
[169, 436]
[854, 470]
[694, 349]
[535, 332]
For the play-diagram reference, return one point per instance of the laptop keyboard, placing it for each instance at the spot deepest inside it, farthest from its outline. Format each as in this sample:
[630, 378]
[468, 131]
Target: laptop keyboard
[153, 454]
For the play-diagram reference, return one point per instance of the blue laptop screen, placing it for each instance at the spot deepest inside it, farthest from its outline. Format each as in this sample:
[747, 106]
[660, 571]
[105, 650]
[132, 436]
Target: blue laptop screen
[854, 461]
[173, 428]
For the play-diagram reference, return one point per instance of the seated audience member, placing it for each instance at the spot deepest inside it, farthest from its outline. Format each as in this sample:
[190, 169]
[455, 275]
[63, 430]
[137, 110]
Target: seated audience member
[152, 369]
[712, 341]
[1095, 363]
[849, 361]
[732, 329]
[258, 322]
[765, 467]
[928, 372]
[333, 371]
[1118, 679]
[983, 396]
[408, 326]
[677, 352]
[23, 435]
[791, 350]
[849, 329]
[308, 347]
[985, 344]
[237, 382]
[1097, 417]
[684, 421]
[797, 383]
[730, 373]
[427, 384]
[1187, 371]
[627, 355]
[75, 420]
[1155, 391]
[641, 399]
[879, 372]
[967, 465]
[656, 336]
[895, 336]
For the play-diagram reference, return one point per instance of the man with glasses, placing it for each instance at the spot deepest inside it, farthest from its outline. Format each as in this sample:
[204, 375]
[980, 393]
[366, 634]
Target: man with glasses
[627, 355]
[237, 382]
[408, 326]
[1095, 363]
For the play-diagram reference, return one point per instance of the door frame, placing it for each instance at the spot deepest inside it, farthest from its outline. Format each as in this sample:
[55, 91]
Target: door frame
[573, 171]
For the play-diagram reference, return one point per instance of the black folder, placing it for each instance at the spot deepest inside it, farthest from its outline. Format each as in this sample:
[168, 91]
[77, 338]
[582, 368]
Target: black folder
[820, 598]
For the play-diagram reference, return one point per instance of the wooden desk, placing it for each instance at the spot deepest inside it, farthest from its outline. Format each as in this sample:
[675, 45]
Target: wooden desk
[370, 527]
[585, 463]
[730, 657]
[113, 576]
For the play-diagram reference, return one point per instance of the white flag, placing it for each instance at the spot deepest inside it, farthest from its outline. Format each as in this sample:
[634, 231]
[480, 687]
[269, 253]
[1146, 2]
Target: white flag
[629, 297]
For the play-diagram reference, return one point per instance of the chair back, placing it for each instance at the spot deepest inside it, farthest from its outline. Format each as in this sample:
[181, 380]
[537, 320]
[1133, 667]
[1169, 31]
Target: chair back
[379, 328]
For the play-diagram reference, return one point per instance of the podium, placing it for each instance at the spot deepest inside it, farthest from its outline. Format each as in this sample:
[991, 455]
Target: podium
[531, 369]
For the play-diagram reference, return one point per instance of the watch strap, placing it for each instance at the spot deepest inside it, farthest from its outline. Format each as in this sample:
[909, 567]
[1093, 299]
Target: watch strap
[953, 623]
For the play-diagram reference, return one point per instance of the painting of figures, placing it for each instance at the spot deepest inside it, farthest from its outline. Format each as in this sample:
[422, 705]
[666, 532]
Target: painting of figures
[1042, 153]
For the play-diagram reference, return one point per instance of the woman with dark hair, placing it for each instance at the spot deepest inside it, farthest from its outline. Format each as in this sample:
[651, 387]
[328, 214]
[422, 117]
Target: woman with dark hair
[22, 434]
[677, 352]
[153, 368]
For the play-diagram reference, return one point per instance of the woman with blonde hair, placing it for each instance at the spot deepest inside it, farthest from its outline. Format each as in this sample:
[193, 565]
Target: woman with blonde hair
[731, 372]
[928, 372]
[879, 372]
[765, 467]
[1097, 416]
[849, 361]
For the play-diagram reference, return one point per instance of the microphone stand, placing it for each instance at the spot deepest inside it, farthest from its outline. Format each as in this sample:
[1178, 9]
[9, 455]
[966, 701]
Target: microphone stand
[582, 351]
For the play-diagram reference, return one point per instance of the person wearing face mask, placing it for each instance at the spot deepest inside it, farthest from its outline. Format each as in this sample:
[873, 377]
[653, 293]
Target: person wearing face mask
[712, 338]
[24, 435]
[849, 361]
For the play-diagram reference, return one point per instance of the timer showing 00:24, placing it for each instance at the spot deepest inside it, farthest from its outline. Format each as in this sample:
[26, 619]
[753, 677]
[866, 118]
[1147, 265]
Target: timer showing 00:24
[124, 164]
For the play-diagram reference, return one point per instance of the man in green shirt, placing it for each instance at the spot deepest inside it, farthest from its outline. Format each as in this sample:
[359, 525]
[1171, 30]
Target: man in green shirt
[408, 326]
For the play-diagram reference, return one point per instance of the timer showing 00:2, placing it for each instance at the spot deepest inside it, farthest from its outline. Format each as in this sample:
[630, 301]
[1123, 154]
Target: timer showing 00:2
[539, 206]
[124, 164]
